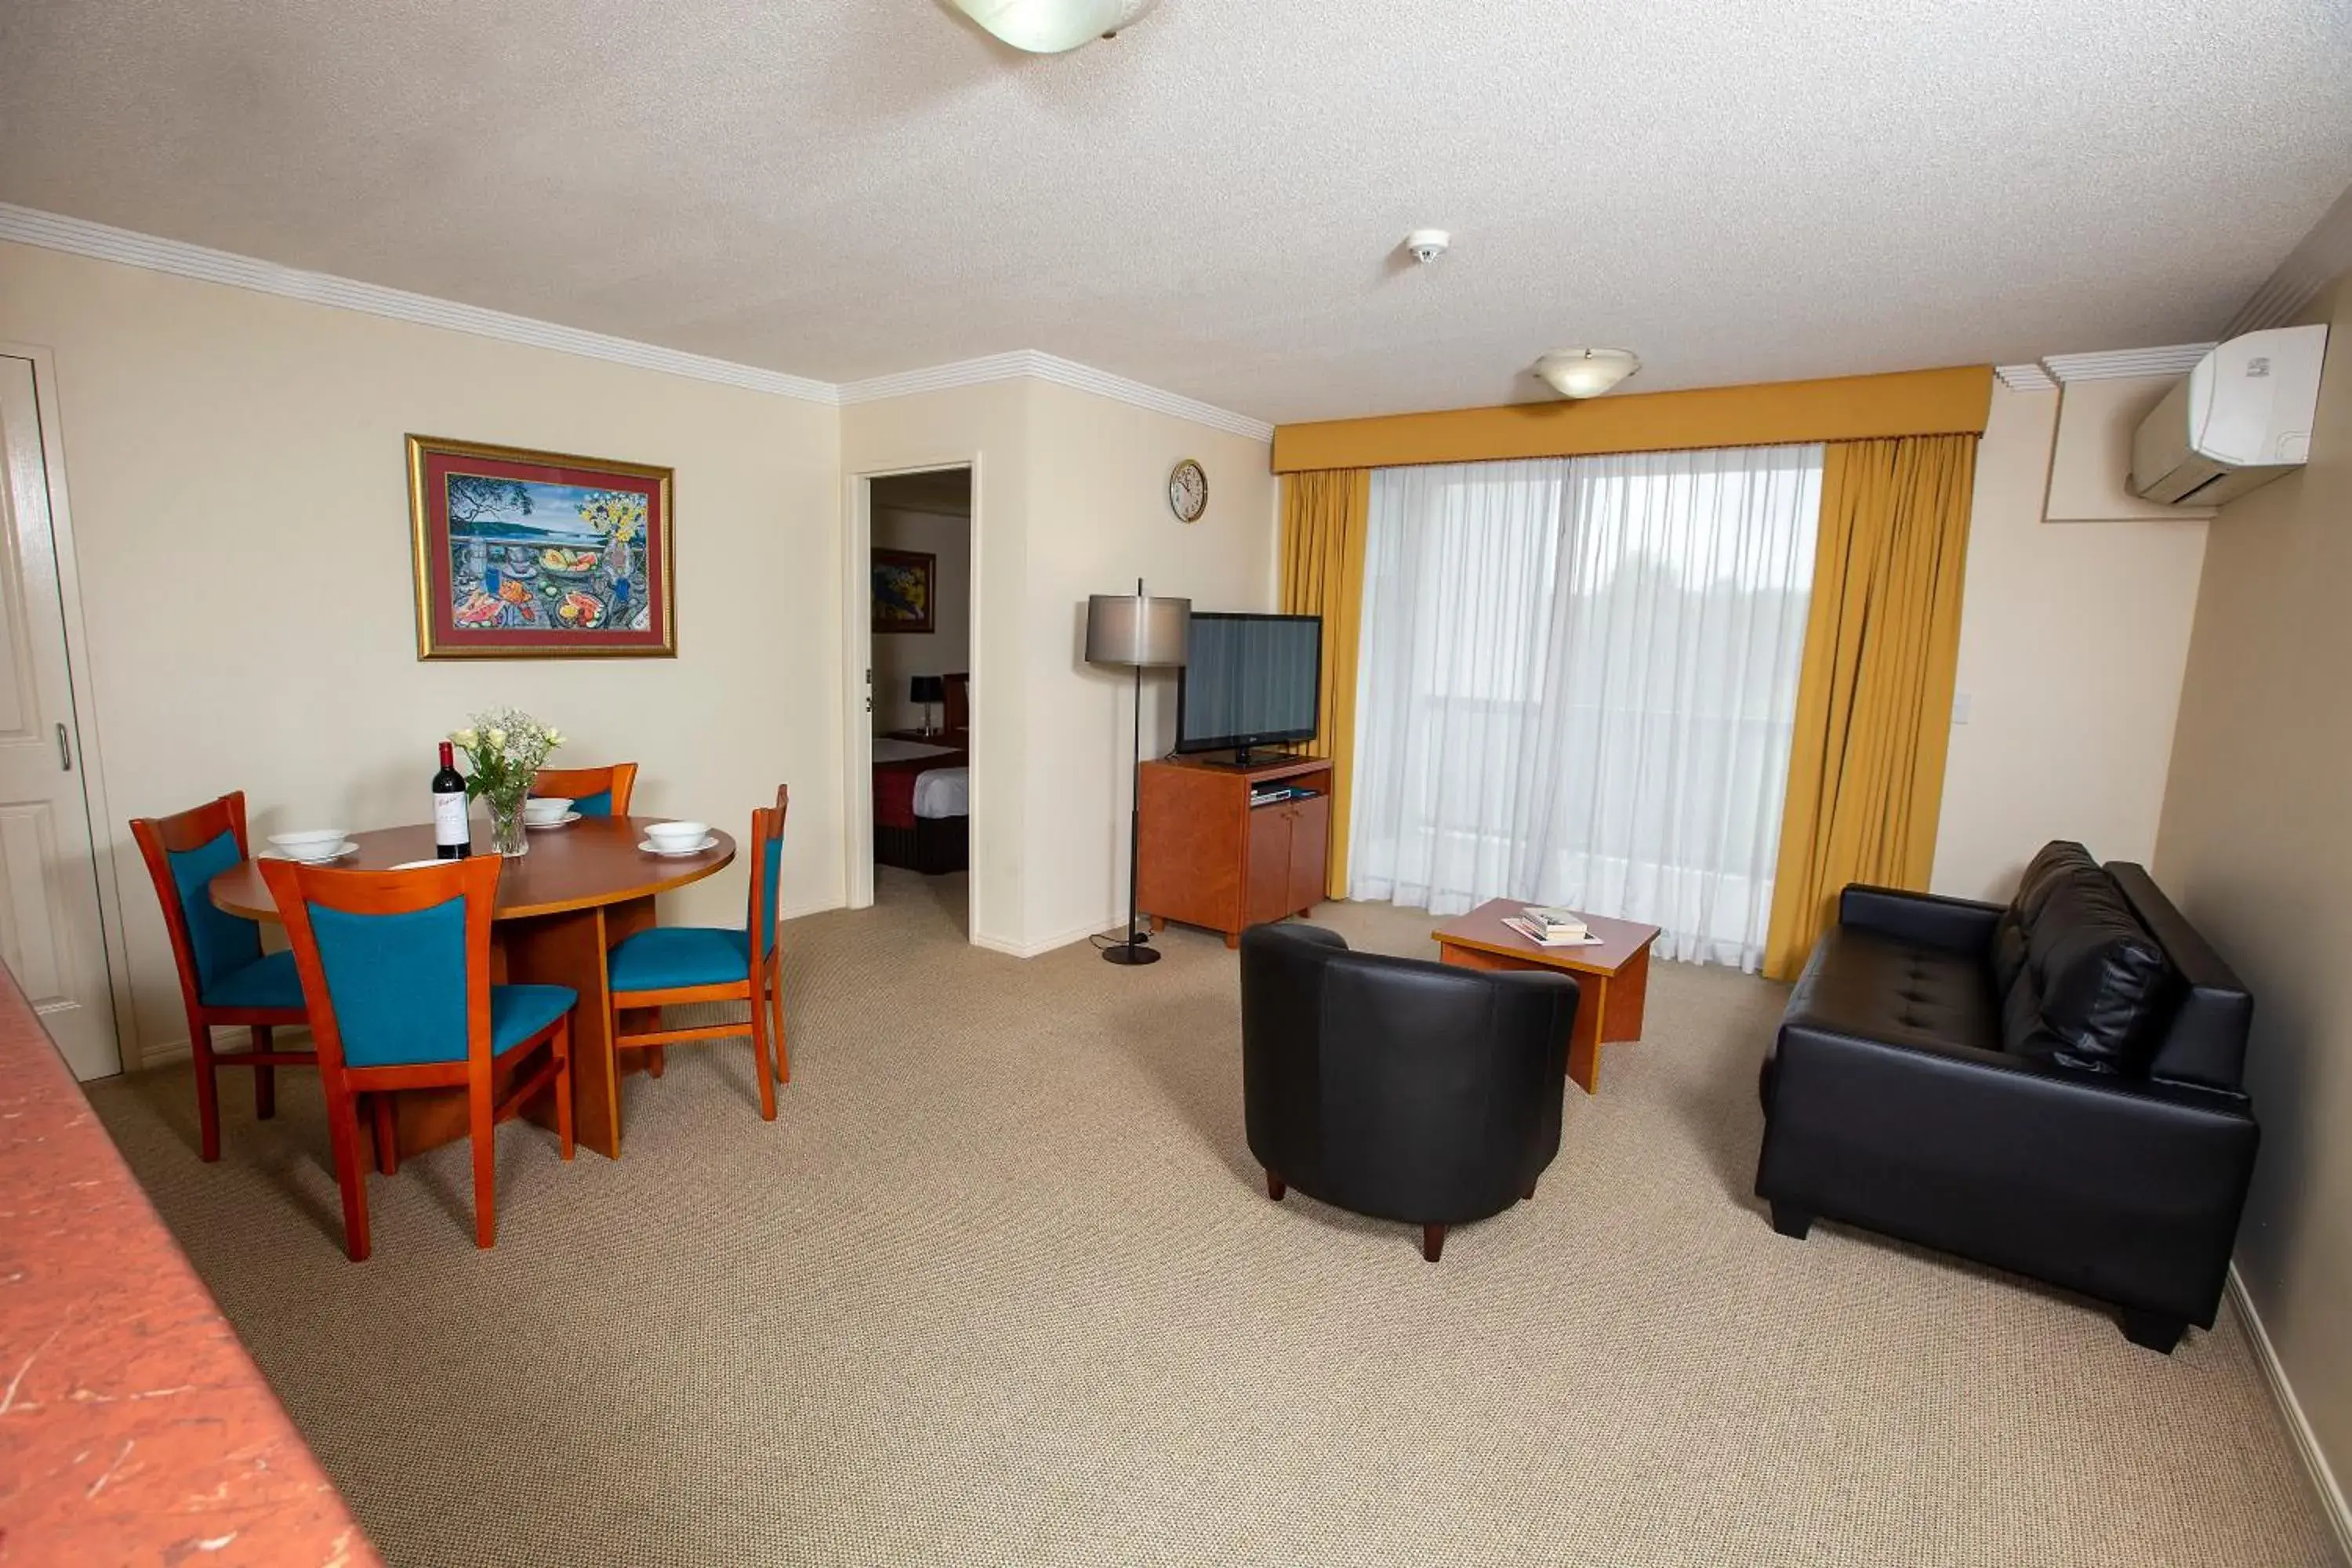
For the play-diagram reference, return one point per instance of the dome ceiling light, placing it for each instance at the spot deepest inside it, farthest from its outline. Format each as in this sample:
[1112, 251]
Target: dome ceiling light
[1586, 372]
[1053, 26]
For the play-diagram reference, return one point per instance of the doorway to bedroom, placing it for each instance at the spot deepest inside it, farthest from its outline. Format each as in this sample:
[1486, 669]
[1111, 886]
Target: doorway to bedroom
[919, 537]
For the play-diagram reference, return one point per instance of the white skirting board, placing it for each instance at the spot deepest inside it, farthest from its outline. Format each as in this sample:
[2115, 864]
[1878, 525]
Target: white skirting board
[2323, 1478]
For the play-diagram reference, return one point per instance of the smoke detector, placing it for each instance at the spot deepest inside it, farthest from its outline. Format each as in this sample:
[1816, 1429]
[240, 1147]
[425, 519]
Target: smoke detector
[1426, 245]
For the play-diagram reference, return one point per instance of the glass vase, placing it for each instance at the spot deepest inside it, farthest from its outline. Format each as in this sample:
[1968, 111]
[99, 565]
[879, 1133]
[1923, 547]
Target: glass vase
[508, 836]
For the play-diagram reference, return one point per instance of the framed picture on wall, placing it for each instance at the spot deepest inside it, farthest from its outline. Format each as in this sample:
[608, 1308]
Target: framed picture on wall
[902, 590]
[525, 555]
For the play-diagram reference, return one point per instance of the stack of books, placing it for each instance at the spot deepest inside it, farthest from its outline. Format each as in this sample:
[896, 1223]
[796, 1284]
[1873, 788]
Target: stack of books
[1547, 926]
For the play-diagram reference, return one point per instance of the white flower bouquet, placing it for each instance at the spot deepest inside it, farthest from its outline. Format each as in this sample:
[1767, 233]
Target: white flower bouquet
[505, 748]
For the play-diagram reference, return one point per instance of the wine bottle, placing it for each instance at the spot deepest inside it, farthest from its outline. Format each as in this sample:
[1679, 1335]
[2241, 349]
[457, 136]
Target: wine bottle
[453, 836]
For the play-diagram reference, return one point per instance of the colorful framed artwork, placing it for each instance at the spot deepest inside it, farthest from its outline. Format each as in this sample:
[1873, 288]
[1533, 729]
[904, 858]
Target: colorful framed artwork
[902, 590]
[524, 554]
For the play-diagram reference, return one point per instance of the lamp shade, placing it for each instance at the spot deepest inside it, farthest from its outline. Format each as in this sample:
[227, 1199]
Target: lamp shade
[1130, 629]
[1586, 372]
[926, 689]
[1052, 27]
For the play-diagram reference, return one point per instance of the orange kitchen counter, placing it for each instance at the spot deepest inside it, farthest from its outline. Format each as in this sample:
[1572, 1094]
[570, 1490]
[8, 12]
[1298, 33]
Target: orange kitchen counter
[133, 1427]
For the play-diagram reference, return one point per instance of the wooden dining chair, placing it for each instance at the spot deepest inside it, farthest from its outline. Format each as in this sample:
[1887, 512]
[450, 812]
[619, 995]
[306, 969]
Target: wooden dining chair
[671, 966]
[226, 980]
[595, 792]
[396, 970]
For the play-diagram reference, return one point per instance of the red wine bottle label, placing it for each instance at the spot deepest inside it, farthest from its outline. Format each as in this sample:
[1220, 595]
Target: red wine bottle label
[449, 818]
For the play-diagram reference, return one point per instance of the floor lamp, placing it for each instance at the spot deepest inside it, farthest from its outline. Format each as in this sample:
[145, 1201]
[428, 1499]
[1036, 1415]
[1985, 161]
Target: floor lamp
[1139, 634]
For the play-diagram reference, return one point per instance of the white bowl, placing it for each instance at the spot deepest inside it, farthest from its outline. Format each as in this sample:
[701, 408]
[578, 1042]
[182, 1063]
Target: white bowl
[676, 835]
[311, 844]
[545, 808]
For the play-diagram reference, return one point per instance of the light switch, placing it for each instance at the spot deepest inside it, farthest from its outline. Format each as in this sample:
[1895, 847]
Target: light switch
[1962, 702]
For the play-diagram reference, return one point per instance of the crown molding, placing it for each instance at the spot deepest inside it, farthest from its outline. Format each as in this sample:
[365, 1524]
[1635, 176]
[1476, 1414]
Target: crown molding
[1062, 372]
[103, 242]
[2025, 378]
[2174, 359]
[2323, 255]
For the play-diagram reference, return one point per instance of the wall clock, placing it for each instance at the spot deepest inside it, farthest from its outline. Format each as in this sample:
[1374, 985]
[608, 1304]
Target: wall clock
[1188, 490]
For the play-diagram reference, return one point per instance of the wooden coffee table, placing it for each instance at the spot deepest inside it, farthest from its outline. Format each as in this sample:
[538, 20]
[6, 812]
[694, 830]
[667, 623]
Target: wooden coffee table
[1612, 975]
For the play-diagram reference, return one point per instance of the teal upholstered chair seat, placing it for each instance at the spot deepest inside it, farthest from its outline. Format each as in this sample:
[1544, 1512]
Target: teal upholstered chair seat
[518, 1011]
[597, 805]
[226, 980]
[396, 968]
[270, 981]
[398, 982]
[668, 964]
[670, 958]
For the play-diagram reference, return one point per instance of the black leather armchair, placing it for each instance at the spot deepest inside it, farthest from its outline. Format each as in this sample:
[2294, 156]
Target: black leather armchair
[1397, 1088]
[1915, 1089]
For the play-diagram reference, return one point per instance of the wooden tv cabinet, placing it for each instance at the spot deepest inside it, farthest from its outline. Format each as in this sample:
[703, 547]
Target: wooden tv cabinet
[1211, 858]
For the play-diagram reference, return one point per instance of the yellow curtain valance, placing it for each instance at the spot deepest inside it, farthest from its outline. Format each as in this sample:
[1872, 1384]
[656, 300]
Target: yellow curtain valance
[1846, 408]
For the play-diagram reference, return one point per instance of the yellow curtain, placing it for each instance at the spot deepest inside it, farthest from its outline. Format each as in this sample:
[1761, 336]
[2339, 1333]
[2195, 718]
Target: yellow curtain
[1324, 517]
[1874, 696]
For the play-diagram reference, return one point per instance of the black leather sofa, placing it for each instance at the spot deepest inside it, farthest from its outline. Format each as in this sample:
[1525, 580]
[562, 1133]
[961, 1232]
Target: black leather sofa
[1398, 1087]
[2051, 1088]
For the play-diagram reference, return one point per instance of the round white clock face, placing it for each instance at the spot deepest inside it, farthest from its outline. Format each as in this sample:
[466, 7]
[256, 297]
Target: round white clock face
[1188, 490]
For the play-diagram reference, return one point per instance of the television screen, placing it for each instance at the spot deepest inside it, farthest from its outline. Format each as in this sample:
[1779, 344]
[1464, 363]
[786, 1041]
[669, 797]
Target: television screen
[1249, 680]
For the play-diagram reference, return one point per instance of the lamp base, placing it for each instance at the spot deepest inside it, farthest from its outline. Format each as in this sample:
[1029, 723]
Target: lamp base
[1122, 952]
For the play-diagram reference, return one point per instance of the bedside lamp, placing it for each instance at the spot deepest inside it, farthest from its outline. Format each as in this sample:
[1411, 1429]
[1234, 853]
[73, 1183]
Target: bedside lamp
[1139, 634]
[928, 691]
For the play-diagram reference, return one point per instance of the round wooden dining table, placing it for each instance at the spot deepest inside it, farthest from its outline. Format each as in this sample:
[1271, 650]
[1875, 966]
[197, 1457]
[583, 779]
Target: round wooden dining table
[583, 887]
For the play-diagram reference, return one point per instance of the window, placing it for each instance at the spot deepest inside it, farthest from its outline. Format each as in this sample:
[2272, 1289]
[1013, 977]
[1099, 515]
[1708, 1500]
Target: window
[1577, 683]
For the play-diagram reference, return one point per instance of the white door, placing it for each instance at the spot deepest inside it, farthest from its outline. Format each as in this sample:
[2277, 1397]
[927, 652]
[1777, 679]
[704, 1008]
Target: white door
[50, 934]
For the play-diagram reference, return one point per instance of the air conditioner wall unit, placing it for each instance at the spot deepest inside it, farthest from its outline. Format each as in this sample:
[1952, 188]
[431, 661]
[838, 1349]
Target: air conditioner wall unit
[2239, 420]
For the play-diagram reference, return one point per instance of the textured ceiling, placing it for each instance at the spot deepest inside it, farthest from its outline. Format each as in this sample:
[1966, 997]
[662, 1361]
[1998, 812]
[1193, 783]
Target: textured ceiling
[1212, 202]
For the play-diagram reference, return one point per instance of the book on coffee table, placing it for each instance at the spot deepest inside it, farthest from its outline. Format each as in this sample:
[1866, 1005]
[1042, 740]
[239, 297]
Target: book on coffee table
[1551, 936]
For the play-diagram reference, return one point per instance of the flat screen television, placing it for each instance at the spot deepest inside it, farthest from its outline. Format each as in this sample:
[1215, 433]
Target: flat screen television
[1249, 680]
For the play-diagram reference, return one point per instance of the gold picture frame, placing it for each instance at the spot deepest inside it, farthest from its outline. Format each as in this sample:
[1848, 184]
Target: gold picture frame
[521, 553]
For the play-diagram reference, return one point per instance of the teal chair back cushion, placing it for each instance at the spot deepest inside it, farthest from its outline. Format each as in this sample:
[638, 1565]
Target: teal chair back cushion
[597, 805]
[223, 943]
[773, 862]
[397, 983]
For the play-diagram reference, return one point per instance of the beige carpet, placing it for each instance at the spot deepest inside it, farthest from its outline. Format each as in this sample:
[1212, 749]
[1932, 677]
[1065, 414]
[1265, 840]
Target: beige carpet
[1000, 1286]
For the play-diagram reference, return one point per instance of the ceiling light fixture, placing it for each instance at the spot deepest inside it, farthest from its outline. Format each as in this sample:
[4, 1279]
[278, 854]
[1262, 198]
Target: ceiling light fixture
[1053, 26]
[1586, 372]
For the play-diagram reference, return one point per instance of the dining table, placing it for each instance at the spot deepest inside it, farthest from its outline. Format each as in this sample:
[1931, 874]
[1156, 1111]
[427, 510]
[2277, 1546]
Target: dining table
[582, 888]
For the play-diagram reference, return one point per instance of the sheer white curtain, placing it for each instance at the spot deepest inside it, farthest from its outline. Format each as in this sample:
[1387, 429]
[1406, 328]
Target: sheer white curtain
[1576, 680]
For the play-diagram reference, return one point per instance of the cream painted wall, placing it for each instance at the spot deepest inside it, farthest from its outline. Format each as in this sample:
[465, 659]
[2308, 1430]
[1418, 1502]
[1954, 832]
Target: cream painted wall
[1069, 498]
[2073, 637]
[988, 427]
[239, 494]
[901, 656]
[2096, 421]
[2256, 848]
[1099, 519]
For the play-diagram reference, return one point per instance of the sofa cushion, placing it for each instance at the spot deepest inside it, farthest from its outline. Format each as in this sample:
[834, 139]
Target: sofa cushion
[2093, 989]
[2048, 868]
[1876, 988]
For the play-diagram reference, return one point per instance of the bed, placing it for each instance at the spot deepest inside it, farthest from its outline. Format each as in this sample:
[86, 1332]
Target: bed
[922, 804]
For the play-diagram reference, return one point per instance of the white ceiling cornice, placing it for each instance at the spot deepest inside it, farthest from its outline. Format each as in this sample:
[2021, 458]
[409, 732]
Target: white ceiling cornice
[2321, 256]
[2025, 378]
[79, 236]
[1063, 373]
[2173, 359]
